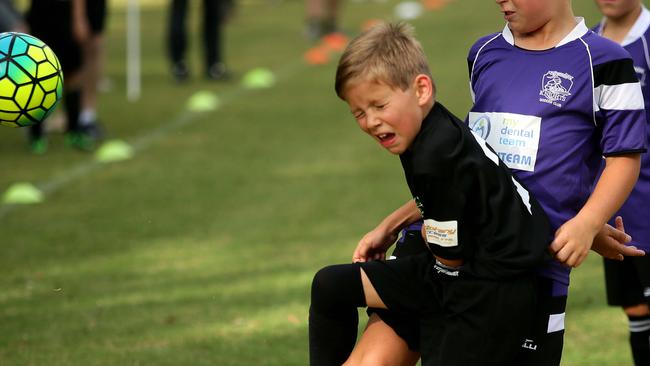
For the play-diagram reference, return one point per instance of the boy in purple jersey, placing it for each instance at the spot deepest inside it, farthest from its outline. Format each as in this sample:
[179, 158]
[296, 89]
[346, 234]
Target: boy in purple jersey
[551, 98]
[627, 22]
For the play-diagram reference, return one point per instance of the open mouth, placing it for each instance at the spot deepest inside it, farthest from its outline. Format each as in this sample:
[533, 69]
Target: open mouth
[386, 138]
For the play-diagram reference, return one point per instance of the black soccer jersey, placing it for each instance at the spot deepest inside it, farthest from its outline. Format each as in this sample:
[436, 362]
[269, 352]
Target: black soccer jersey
[473, 209]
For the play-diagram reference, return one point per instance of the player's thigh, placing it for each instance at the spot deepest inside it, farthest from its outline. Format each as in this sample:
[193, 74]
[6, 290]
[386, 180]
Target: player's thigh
[380, 345]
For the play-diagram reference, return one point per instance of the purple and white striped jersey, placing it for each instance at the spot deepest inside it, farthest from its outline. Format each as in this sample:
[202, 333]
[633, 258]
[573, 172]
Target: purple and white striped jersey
[551, 115]
[636, 210]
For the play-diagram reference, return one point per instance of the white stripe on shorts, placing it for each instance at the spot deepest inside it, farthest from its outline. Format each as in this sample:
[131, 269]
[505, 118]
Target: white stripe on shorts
[555, 323]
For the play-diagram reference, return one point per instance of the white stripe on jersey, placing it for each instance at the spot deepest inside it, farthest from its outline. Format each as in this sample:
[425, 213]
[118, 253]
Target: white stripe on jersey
[645, 51]
[471, 76]
[591, 70]
[639, 325]
[489, 153]
[523, 193]
[555, 323]
[471, 92]
[619, 97]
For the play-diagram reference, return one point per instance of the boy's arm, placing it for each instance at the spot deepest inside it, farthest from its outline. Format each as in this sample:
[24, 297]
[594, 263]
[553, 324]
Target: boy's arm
[574, 238]
[374, 244]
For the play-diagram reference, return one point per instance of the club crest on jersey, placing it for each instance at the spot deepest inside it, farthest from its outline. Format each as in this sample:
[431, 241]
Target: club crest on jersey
[556, 87]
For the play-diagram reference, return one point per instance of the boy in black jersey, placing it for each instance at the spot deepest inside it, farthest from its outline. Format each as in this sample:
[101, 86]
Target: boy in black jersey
[470, 290]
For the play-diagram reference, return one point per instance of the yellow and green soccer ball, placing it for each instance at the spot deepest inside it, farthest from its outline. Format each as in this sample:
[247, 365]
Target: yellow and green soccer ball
[31, 81]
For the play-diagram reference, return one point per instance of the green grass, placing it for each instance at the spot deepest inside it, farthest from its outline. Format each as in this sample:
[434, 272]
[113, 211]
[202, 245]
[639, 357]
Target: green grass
[200, 250]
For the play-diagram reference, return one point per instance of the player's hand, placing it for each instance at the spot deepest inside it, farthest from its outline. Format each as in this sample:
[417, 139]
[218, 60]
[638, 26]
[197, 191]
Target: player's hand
[573, 240]
[611, 242]
[373, 245]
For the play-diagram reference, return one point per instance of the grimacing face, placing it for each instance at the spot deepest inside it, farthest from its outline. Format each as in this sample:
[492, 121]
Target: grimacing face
[391, 116]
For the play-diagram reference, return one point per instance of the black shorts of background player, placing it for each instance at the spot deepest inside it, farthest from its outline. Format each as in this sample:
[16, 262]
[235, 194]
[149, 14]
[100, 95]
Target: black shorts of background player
[213, 16]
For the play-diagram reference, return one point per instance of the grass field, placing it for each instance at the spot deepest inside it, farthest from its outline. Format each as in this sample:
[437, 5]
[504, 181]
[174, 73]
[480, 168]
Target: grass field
[200, 250]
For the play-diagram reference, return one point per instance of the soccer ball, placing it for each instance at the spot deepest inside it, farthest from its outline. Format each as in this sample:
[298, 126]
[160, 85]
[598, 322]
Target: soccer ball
[31, 81]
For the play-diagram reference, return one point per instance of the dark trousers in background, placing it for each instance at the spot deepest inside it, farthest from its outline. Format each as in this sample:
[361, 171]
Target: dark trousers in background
[212, 18]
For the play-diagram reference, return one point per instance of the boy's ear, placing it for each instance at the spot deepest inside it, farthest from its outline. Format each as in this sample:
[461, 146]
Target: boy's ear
[424, 88]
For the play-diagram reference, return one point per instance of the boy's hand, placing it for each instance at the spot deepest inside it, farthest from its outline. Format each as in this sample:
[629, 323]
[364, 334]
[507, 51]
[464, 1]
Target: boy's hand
[373, 245]
[573, 241]
[610, 242]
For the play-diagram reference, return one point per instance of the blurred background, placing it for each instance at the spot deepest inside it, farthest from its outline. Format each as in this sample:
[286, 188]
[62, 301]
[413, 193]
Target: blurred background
[197, 244]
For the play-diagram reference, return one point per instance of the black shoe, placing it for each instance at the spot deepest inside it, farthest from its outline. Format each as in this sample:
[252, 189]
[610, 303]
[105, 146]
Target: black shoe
[218, 72]
[93, 130]
[180, 72]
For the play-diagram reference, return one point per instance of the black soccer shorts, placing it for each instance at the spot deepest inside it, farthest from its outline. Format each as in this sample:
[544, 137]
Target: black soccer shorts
[463, 320]
[543, 345]
[628, 282]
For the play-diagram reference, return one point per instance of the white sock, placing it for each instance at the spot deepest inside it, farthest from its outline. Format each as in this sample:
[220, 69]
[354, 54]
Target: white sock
[87, 117]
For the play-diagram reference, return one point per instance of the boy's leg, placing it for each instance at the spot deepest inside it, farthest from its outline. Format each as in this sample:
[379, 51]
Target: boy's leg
[212, 17]
[380, 345]
[641, 330]
[628, 286]
[391, 338]
[177, 39]
[336, 293]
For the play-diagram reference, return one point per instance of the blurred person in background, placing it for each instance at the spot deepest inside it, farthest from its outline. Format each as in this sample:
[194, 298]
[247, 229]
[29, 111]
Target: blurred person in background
[63, 26]
[321, 18]
[214, 16]
[93, 61]
[627, 22]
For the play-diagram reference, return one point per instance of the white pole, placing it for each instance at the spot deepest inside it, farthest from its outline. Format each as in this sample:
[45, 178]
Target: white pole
[133, 82]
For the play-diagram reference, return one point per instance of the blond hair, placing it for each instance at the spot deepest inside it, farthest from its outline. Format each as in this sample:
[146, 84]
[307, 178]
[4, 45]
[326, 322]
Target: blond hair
[387, 53]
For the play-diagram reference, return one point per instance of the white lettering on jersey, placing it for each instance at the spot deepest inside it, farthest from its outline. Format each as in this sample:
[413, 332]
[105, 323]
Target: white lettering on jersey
[443, 233]
[514, 137]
